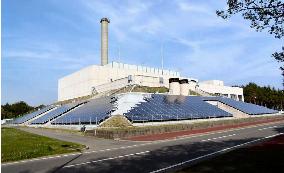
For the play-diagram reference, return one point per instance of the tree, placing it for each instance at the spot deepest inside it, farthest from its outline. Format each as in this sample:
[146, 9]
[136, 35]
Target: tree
[264, 96]
[264, 15]
[16, 109]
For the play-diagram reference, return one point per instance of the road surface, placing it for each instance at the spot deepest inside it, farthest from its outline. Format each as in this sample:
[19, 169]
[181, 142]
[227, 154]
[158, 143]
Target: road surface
[155, 156]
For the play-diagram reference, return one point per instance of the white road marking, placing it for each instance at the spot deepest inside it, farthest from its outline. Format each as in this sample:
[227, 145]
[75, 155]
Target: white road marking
[267, 128]
[42, 158]
[138, 145]
[214, 153]
[110, 158]
[210, 139]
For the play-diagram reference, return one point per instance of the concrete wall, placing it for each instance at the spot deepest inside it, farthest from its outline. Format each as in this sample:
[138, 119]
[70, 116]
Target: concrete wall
[213, 82]
[236, 113]
[219, 88]
[80, 83]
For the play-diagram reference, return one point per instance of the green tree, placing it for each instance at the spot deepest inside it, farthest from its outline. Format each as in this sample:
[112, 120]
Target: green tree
[16, 109]
[263, 15]
[264, 96]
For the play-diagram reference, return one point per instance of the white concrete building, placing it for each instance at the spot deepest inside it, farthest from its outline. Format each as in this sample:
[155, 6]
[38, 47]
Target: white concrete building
[97, 78]
[115, 75]
[217, 87]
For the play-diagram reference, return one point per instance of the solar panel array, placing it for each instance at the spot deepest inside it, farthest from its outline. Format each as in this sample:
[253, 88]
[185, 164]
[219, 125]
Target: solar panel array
[56, 113]
[93, 112]
[248, 108]
[166, 107]
[32, 115]
[155, 107]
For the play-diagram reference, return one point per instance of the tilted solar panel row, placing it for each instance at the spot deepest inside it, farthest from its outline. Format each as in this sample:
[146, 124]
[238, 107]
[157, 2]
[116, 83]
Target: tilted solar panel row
[93, 112]
[163, 107]
[32, 115]
[57, 112]
[248, 108]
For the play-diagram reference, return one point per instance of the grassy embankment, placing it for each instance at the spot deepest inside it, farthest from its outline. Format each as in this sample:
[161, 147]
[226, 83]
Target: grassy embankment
[19, 145]
[111, 130]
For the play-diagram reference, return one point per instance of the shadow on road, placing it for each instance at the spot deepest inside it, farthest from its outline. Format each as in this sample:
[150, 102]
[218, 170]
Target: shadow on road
[156, 159]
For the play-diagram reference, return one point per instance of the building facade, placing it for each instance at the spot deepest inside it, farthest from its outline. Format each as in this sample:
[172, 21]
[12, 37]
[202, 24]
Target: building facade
[102, 78]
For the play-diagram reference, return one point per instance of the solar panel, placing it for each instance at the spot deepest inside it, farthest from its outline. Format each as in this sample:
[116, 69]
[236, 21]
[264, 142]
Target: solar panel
[32, 115]
[248, 108]
[168, 107]
[57, 112]
[93, 112]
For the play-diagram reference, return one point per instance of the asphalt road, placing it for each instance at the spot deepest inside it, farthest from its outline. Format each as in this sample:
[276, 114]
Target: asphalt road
[158, 156]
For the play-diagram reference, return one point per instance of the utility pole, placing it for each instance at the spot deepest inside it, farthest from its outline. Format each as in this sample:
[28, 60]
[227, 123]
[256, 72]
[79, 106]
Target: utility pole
[119, 53]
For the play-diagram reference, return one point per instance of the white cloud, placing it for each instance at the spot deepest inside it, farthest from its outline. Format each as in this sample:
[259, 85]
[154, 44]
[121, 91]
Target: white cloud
[189, 6]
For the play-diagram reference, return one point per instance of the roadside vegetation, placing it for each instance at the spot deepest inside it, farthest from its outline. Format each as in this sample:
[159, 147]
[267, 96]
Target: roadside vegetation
[19, 145]
[264, 96]
[17, 109]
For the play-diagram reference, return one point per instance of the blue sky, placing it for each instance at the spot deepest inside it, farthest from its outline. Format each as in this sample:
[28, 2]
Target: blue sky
[45, 40]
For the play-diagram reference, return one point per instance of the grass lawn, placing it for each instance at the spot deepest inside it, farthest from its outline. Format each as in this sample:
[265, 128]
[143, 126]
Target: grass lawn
[19, 145]
[266, 157]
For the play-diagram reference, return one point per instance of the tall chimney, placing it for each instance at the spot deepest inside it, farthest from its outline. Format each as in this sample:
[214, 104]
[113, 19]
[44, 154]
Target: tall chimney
[104, 41]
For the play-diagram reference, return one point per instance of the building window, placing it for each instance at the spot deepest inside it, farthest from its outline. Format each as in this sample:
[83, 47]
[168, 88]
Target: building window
[234, 96]
[129, 78]
[225, 95]
[161, 80]
[240, 97]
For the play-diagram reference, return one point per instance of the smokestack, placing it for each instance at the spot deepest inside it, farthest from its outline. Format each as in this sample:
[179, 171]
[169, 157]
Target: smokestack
[104, 41]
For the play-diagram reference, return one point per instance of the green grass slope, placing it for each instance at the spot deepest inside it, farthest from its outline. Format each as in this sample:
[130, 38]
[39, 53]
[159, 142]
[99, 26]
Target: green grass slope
[19, 145]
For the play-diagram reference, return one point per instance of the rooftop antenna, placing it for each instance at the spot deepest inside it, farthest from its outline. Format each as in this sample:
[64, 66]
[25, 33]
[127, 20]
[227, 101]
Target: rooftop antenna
[162, 57]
